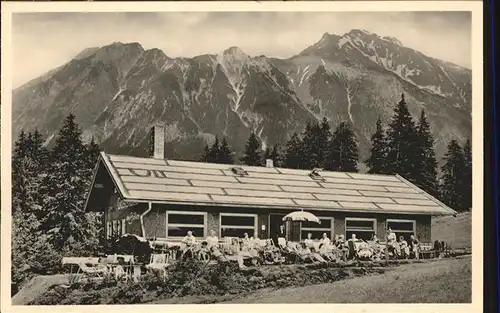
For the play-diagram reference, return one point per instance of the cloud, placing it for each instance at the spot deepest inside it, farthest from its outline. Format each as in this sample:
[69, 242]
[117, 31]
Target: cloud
[42, 41]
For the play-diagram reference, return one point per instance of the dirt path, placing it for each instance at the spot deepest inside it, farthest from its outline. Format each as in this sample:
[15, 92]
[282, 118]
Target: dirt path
[36, 286]
[443, 281]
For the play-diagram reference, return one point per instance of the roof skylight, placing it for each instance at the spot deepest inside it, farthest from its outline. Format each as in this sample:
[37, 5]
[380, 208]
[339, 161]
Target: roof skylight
[239, 171]
[316, 175]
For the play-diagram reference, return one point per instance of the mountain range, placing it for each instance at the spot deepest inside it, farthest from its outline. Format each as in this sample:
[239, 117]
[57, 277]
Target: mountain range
[117, 92]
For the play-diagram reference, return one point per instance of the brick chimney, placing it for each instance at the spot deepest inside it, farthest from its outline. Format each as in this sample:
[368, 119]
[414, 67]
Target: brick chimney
[269, 163]
[157, 142]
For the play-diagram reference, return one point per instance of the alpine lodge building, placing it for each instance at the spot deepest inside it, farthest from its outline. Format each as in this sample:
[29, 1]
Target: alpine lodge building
[161, 199]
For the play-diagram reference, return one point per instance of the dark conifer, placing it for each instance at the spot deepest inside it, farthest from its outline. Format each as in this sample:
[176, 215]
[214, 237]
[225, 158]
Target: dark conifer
[378, 153]
[252, 151]
[403, 143]
[225, 153]
[293, 152]
[343, 150]
[452, 177]
[425, 159]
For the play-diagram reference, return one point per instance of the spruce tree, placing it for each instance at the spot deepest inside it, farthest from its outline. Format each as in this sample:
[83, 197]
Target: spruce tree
[252, 151]
[92, 153]
[225, 155]
[293, 152]
[425, 159]
[276, 156]
[65, 188]
[452, 177]
[467, 176]
[343, 150]
[323, 142]
[205, 155]
[378, 152]
[403, 143]
[19, 175]
[312, 153]
[214, 151]
[28, 168]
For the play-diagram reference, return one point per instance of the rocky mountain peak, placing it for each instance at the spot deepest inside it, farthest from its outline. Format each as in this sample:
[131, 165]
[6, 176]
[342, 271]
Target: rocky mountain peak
[117, 90]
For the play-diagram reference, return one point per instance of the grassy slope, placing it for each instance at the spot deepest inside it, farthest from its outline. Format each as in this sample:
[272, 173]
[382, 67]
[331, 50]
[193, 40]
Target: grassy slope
[444, 281]
[455, 230]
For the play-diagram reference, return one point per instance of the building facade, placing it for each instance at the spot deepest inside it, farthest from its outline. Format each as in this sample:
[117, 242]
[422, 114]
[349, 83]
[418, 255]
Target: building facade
[163, 199]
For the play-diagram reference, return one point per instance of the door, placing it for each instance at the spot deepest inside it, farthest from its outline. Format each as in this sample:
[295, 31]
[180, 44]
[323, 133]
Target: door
[276, 227]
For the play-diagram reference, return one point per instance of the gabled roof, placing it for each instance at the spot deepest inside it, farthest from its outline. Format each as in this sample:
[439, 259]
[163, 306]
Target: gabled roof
[196, 183]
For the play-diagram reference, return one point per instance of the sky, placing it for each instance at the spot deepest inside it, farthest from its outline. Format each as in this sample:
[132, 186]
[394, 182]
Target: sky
[43, 41]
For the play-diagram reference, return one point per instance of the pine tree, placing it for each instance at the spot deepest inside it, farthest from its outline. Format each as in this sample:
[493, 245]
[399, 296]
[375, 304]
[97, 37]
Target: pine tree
[378, 153]
[65, 187]
[214, 152]
[425, 159]
[452, 177]
[276, 156]
[205, 155]
[92, 153]
[252, 151]
[312, 152]
[467, 176]
[19, 175]
[293, 152]
[402, 139]
[343, 152]
[323, 142]
[28, 167]
[225, 155]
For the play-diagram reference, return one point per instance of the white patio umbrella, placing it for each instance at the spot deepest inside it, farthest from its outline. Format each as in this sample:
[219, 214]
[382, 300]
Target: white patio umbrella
[301, 216]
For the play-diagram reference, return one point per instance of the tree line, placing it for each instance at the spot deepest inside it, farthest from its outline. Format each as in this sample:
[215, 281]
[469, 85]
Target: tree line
[405, 147]
[49, 188]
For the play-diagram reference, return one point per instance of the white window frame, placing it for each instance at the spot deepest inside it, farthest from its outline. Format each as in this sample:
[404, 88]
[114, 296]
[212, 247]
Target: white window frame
[414, 223]
[347, 219]
[204, 214]
[330, 230]
[255, 224]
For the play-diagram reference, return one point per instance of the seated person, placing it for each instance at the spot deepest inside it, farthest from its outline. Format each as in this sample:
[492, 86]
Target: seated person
[212, 240]
[392, 244]
[189, 240]
[311, 248]
[375, 239]
[309, 242]
[353, 246]
[405, 249]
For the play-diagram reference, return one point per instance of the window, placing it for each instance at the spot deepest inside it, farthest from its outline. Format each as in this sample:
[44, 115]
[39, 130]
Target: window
[236, 225]
[364, 228]
[116, 228]
[316, 229]
[179, 223]
[404, 228]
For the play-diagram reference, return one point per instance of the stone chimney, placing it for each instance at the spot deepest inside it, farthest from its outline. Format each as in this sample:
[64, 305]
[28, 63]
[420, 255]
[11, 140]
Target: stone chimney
[157, 142]
[269, 163]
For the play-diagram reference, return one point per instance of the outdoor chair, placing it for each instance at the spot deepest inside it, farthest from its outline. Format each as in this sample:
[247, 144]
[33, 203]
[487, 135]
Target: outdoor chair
[158, 264]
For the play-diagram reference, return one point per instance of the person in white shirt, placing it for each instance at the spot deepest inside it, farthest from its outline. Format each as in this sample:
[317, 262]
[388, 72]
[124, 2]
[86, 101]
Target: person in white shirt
[212, 240]
[309, 243]
[189, 240]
